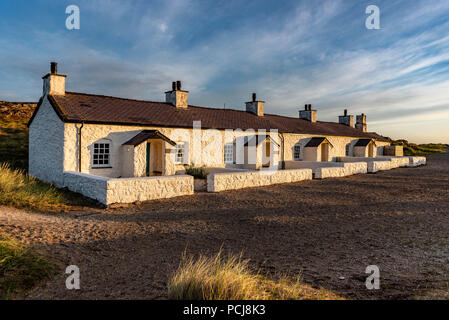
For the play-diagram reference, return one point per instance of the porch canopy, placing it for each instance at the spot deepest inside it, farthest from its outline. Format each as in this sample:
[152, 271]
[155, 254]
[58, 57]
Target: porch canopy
[144, 135]
[257, 139]
[317, 141]
[364, 142]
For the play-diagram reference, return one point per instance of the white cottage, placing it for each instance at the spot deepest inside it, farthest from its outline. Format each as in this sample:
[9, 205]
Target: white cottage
[74, 137]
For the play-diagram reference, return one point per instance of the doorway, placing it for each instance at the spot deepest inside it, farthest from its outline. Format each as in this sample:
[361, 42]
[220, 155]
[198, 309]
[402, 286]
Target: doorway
[324, 152]
[371, 150]
[148, 160]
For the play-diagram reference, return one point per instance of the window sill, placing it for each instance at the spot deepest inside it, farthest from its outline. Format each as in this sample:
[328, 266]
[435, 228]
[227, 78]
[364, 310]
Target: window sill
[101, 167]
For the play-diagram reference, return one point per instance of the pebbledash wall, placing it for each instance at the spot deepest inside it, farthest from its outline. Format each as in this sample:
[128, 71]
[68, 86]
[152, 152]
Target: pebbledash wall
[128, 190]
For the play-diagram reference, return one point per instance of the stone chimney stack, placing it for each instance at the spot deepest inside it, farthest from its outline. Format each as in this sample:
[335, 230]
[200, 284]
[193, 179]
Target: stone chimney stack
[346, 119]
[255, 106]
[177, 97]
[361, 122]
[308, 113]
[54, 83]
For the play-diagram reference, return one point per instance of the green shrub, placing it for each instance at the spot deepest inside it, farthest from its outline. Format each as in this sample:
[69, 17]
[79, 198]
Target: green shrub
[197, 173]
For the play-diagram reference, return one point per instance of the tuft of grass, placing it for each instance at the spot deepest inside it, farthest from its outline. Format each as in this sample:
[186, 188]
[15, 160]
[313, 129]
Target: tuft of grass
[21, 190]
[230, 278]
[20, 268]
[197, 173]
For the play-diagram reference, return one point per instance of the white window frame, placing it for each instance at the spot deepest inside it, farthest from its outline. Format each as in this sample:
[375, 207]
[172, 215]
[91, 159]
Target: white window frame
[101, 152]
[297, 154]
[228, 153]
[180, 146]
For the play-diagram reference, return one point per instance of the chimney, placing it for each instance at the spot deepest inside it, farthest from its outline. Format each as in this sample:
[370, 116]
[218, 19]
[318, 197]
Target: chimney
[308, 113]
[361, 122]
[255, 106]
[346, 120]
[54, 83]
[176, 96]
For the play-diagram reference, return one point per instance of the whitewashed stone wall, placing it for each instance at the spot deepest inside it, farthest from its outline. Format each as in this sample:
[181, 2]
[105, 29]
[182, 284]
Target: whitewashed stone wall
[128, 190]
[417, 161]
[374, 164]
[397, 162]
[46, 143]
[322, 170]
[91, 186]
[238, 180]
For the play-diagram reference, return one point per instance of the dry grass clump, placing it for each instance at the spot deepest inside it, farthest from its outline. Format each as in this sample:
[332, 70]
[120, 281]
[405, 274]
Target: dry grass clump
[230, 278]
[21, 190]
[20, 268]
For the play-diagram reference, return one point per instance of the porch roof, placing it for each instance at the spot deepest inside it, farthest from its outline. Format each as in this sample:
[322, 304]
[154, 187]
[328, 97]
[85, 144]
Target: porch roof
[363, 142]
[316, 142]
[144, 135]
[259, 139]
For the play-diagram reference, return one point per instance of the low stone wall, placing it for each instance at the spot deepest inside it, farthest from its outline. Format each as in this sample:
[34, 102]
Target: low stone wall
[417, 161]
[347, 169]
[128, 190]
[322, 170]
[238, 180]
[91, 186]
[397, 162]
[374, 164]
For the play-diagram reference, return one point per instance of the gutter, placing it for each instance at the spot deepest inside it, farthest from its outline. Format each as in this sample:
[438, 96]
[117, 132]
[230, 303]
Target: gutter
[79, 147]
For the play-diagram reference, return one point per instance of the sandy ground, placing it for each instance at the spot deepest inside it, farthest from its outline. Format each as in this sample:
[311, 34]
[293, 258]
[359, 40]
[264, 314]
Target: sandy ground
[397, 220]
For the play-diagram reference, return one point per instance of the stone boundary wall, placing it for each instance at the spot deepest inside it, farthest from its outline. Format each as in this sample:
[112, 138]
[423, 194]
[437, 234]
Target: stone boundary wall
[238, 180]
[417, 161]
[397, 162]
[93, 187]
[374, 164]
[329, 169]
[347, 169]
[128, 190]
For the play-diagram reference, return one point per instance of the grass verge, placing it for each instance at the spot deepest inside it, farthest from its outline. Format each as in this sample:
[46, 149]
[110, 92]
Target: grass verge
[412, 149]
[230, 278]
[20, 268]
[21, 190]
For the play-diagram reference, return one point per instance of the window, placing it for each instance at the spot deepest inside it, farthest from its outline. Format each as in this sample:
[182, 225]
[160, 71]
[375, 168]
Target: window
[101, 156]
[297, 152]
[348, 148]
[180, 152]
[229, 153]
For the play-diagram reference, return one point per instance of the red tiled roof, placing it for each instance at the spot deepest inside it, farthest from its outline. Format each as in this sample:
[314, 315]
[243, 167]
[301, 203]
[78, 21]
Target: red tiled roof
[89, 108]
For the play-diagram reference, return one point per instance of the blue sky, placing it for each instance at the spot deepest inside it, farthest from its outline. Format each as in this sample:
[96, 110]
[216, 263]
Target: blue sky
[289, 52]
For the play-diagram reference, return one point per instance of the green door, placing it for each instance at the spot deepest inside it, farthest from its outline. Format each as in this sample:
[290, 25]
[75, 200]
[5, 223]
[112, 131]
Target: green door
[148, 159]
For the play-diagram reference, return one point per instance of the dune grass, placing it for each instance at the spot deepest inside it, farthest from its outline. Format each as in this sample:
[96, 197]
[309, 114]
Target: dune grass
[413, 149]
[424, 149]
[20, 268]
[21, 190]
[14, 143]
[230, 278]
